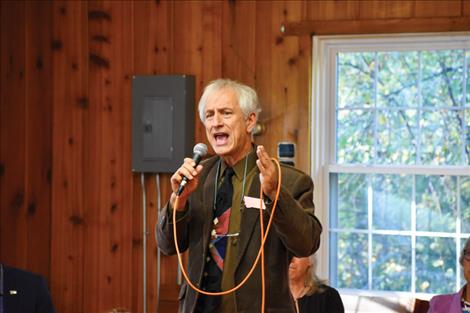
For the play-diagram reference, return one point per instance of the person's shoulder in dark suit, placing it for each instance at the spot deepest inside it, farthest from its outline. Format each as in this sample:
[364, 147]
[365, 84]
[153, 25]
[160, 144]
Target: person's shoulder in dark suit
[25, 292]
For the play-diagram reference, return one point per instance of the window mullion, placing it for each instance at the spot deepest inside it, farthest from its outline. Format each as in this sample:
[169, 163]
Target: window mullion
[413, 236]
[457, 239]
[369, 229]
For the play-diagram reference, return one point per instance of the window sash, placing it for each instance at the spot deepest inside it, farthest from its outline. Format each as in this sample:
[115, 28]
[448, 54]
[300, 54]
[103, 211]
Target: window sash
[323, 130]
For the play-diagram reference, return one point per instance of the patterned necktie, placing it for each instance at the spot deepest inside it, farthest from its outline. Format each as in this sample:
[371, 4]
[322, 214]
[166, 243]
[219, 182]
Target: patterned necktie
[214, 267]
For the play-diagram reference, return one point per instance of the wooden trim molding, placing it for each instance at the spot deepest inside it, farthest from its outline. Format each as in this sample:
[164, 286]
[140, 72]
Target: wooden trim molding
[376, 26]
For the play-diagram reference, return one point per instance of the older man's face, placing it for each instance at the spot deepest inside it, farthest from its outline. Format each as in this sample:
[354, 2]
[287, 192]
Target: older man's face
[227, 129]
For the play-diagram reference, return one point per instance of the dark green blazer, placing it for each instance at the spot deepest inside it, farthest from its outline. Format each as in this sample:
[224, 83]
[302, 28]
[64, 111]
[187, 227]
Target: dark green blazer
[295, 232]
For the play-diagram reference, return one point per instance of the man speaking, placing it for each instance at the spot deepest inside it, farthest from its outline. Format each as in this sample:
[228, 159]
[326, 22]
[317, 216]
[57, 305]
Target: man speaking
[217, 212]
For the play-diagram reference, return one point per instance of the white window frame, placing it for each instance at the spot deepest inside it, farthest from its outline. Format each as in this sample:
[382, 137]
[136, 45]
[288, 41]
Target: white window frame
[323, 126]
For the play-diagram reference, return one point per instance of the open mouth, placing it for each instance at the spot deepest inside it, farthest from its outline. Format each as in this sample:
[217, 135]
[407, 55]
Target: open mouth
[221, 138]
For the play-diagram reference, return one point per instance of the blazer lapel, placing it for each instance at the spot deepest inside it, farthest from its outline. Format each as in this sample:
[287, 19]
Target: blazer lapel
[250, 217]
[208, 201]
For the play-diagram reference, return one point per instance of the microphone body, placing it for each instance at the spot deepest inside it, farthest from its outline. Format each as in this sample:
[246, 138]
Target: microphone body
[200, 150]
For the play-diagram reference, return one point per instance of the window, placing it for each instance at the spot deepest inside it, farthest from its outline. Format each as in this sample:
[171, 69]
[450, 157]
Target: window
[391, 160]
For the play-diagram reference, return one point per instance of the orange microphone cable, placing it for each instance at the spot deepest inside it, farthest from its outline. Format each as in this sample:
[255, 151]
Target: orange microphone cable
[264, 236]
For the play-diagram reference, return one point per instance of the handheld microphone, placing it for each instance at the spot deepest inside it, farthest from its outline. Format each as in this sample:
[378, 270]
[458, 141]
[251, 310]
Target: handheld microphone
[200, 151]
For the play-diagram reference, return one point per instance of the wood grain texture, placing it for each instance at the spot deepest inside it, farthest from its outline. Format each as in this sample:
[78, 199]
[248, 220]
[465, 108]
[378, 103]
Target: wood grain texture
[14, 217]
[38, 134]
[70, 207]
[70, 100]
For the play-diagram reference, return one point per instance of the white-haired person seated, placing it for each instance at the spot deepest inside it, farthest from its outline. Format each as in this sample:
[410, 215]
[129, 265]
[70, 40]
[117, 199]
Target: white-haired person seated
[310, 293]
[457, 302]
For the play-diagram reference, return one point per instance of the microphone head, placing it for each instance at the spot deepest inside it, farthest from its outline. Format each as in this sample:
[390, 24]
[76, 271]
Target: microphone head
[200, 149]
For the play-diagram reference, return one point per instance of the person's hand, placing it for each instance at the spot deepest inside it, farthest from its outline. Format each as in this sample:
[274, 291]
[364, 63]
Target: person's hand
[268, 172]
[191, 172]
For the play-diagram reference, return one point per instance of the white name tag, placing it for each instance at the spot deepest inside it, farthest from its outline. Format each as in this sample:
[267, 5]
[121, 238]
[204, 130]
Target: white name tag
[251, 202]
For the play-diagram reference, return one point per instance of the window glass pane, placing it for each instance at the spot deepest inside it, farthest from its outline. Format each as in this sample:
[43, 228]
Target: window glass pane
[355, 136]
[398, 75]
[436, 203]
[391, 263]
[441, 137]
[356, 79]
[465, 204]
[467, 56]
[435, 265]
[442, 77]
[462, 246]
[397, 136]
[392, 198]
[352, 201]
[352, 261]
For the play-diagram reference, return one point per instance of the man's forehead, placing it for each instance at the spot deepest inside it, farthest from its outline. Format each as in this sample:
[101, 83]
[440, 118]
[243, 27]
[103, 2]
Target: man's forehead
[222, 99]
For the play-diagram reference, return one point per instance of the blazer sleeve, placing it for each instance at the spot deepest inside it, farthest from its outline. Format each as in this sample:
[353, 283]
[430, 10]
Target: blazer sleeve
[44, 302]
[164, 230]
[294, 219]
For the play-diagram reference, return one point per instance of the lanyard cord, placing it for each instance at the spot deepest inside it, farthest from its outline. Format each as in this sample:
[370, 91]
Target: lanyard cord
[260, 252]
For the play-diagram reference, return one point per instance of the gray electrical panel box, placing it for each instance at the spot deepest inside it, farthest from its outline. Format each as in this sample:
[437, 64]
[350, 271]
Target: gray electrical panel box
[162, 122]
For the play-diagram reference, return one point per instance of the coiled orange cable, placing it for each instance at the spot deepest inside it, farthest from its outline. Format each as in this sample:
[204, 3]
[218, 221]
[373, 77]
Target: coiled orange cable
[260, 252]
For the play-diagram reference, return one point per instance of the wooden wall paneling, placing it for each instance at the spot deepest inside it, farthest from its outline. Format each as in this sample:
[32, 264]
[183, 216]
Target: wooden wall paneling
[264, 71]
[108, 178]
[14, 217]
[333, 10]
[70, 100]
[151, 206]
[304, 65]
[465, 8]
[287, 89]
[430, 8]
[239, 41]
[38, 119]
[377, 9]
[153, 32]
[136, 283]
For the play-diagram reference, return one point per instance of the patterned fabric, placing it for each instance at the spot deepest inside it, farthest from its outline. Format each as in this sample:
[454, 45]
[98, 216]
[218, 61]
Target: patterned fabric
[215, 261]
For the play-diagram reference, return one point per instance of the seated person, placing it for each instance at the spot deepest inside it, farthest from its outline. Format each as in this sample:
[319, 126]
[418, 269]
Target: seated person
[309, 292]
[458, 302]
[24, 292]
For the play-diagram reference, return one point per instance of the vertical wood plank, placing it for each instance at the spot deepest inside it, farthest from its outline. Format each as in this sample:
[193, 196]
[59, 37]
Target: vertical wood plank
[239, 41]
[70, 99]
[108, 179]
[38, 119]
[377, 9]
[465, 8]
[333, 10]
[13, 228]
[429, 8]
[153, 32]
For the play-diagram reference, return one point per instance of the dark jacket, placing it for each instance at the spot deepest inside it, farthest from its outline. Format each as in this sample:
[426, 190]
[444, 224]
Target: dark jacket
[295, 231]
[25, 292]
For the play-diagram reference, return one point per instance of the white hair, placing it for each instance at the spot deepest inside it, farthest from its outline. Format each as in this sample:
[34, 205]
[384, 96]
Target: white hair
[247, 98]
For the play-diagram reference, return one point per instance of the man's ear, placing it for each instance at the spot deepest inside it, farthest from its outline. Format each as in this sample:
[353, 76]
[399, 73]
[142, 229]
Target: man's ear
[251, 122]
